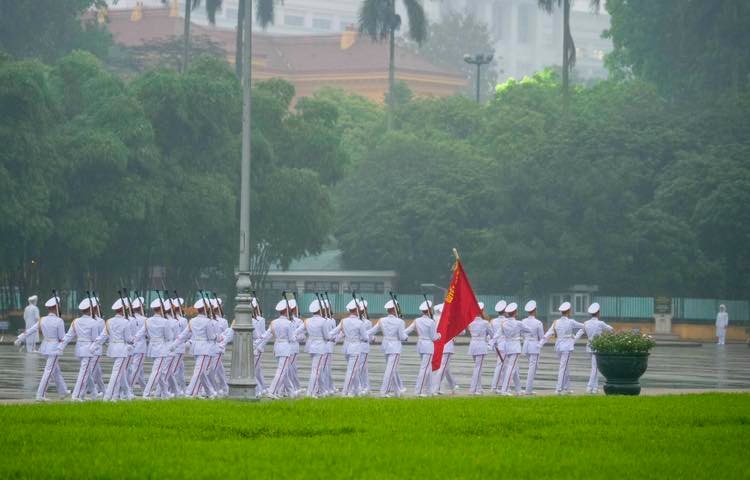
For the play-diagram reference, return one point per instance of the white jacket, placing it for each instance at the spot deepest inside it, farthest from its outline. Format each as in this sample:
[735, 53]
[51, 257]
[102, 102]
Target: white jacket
[564, 329]
[53, 331]
[427, 334]
[394, 332]
[532, 336]
[117, 331]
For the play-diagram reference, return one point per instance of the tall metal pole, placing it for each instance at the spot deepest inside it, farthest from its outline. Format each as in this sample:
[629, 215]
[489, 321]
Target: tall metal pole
[242, 373]
[479, 70]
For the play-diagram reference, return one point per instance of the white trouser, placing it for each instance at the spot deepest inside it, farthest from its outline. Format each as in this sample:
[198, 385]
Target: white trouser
[280, 382]
[563, 376]
[84, 375]
[444, 372]
[176, 374]
[315, 386]
[158, 378]
[136, 370]
[117, 379]
[260, 384]
[218, 374]
[292, 373]
[364, 373]
[722, 334]
[351, 381]
[330, 385]
[533, 361]
[424, 378]
[476, 376]
[31, 342]
[98, 376]
[510, 370]
[594, 376]
[390, 375]
[200, 380]
[496, 377]
[52, 370]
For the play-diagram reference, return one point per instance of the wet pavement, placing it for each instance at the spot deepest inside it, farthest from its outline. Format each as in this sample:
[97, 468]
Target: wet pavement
[671, 369]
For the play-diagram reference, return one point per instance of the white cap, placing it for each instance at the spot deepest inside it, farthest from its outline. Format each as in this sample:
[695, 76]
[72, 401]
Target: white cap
[281, 306]
[292, 303]
[564, 307]
[481, 305]
[167, 304]
[33, 298]
[511, 308]
[85, 304]
[213, 303]
[364, 303]
[117, 305]
[439, 307]
[594, 308]
[389, 305]
[530, 306]
[94, 301]
[178, 301]
[254, 302]
[199, 305]
[314, 306]
[500, 306]
[138, 302]
[353, 305]
[424, 306]
[156, 303]
[52, 302]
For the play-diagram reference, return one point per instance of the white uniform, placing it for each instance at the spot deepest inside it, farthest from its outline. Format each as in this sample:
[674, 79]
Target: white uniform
[138, 354]
[427, 334]
[511, 330]
[201, 332]
[84, 329]
[30, 317]
[119, 335]
[97, 375]
[532, 336]
[216, 370]
[160, 334]
[53, 332]
[317, 337]
[299, 336]
[444, 372]
[722, 321]
[481, 333]
[282, 331]
[176, 373]
[564, 329]
[259, 330]
[354, 334]
[328, 385]
[593, 328]
[498, 345]
[394, 332]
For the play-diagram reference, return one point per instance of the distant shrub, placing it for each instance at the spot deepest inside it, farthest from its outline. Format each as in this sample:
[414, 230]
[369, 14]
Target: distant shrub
[623, 342]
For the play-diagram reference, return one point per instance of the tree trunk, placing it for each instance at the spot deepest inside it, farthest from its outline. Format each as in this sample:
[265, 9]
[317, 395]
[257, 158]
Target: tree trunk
[391, 79]
[238, 43]
[566, 47]
[186, 36]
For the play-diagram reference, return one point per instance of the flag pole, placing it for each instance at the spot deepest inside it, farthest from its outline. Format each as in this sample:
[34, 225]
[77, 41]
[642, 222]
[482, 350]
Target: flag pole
[455, 253]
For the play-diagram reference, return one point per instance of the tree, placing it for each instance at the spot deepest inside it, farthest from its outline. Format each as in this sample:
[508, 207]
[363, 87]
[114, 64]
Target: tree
[379, 20]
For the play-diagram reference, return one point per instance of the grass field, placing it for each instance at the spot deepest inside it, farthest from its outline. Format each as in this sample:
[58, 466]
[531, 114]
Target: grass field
[692, 436]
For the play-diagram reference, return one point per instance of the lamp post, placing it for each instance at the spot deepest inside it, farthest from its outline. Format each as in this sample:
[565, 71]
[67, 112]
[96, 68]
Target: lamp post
[242, 372]
[479, 59]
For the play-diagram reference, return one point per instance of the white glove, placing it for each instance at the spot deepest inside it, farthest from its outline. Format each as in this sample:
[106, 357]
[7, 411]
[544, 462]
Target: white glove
[130, 349]
[17, 342]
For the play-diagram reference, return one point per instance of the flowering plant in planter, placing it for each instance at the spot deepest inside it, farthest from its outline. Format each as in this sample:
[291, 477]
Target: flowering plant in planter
[623, 342]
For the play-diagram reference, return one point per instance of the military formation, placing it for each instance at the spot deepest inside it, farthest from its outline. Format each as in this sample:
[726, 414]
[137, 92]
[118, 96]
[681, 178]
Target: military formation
[162, 340]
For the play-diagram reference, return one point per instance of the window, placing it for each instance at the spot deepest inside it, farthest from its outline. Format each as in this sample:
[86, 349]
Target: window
[557, 300]
[294, 20]
[498, 17]
[321, 23]
[525, 27]
[330, 287]
[281, 285]
[581, 303]
[367, 287]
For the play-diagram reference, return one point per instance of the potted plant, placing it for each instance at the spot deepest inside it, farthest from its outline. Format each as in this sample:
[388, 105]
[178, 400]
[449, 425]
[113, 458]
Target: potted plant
[622, 358]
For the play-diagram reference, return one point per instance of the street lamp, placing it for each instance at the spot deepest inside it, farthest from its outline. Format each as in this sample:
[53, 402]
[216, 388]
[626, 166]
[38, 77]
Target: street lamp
[479, 59]
[242, 372]
[436, 287]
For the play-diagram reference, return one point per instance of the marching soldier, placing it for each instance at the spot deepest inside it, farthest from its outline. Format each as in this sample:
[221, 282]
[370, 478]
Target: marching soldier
[563, 328]
[117, 332]
[444, 372]
[328, 384]
[352, 330]
[53, 332]
[593, 328]
[159, 332]
[317, 336]
[532, 336]
[84, 329]
[140, 347]
[30, 318]
[299, 329]
[481, 333]
[364, 370]
[177, 372]
[511, 329]
[498, 344]
[281, 330]
[259, 330]
[202, 333]
[393, 329]
[427, 334]
[225, 335]
[97, 376]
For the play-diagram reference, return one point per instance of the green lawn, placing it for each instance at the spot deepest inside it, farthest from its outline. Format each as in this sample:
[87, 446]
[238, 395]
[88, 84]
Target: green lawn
[685, 437]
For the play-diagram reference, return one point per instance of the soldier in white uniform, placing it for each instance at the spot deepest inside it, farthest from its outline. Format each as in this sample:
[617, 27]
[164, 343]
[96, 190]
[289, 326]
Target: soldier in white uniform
[511, 329]
[282, 332]
[160, 335]
[328, 384]
[317, 337]
[722, 322]
[97, 375]
[53, 332]
[352, 330]
[30, 317]
[120, 337]
[564, 329]
[394, 332]
[202, 333]
[593, 328]
[427, 334]
[299, 329]
[498, 344]
[364, 369]
[177, 373]
[259, 330]
[217, 372]
[532, 337]
[444, 372]
[481, 334]
[140, 347]
[84, 329]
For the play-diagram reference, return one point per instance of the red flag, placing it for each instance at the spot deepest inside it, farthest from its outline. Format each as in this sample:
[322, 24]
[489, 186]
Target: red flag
[459, 311]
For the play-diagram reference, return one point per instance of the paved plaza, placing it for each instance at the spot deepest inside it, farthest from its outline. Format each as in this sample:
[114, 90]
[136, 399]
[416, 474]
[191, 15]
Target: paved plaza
[672, 369]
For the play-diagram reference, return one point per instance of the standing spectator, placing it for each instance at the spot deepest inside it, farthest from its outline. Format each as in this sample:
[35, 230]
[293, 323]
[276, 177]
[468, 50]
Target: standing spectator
[30, 317]
[722, 322]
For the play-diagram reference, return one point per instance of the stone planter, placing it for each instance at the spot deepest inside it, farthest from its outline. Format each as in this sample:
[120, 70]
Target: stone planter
[622, 371]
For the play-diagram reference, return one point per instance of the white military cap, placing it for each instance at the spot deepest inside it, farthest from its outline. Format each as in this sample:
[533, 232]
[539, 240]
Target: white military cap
[167, 304]
[178, 301]
[314, 306]
[512, 307]
[424, 306]
[364, 303]
[118, 305]
[156, 303]
[94, 301]
[292, 303]
[481, 305]
[353, 305]
[33, 298]
[199, 305]
[281, 306]
[138, 302]
[530, 306]
[213, 303]
[254, 302]
[52, 302]
[500, 306]
[389, 304]
[85, 304]
[439, 307]
[594, 308]
[564, 307]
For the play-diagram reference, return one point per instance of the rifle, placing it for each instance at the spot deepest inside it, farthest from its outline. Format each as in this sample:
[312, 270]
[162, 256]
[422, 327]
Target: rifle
[356, 304]
[138, 296]
[124, 307]
[429, 308]
[57, 300]
[206, 305]
[174, 315]
[179, 305]
[161, 302]
[130, 304]
[260, 310]
[364, 307]
[323, 309]
[288, 310]
[299, 309]
[218, 303]
[98, 305]
[395, 304]
[91, 303]
[329, 305]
